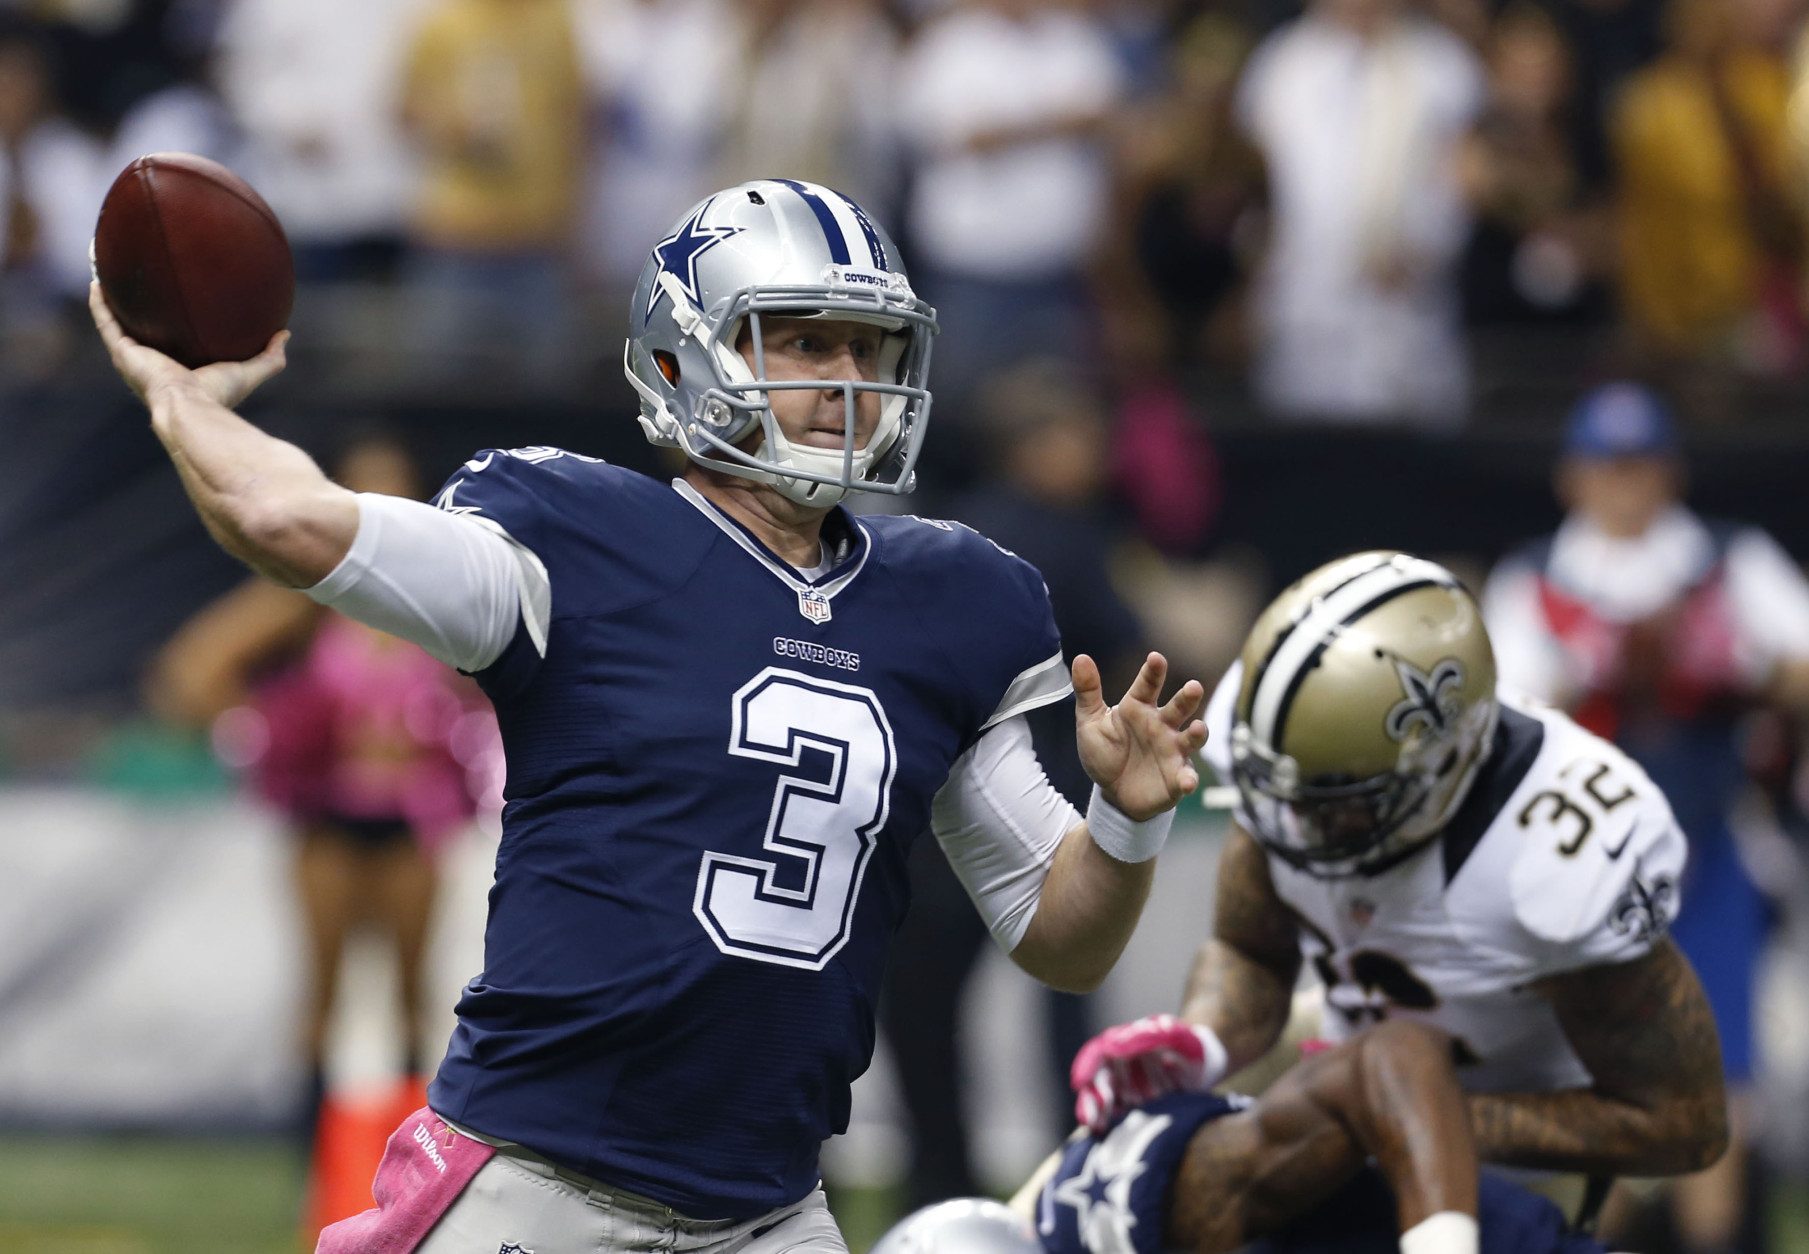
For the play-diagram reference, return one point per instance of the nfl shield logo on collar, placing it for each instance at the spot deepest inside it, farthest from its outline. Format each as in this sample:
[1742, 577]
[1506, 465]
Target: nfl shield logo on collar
[813, 605]
[511, 1247]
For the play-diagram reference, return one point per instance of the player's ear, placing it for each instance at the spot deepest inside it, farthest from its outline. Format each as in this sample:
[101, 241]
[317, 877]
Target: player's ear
[668, 364]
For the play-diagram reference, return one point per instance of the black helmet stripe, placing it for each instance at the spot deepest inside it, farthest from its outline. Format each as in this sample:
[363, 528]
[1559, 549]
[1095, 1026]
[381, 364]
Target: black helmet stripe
[1281, 637]
[1318, 651]
[1329, 612]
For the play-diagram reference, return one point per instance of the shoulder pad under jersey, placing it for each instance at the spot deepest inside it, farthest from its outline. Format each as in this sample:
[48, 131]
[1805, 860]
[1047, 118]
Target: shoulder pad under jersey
[1596, 875]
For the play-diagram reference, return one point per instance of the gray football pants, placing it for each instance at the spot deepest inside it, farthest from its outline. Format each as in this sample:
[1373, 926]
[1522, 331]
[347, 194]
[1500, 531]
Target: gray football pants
[521, 1206]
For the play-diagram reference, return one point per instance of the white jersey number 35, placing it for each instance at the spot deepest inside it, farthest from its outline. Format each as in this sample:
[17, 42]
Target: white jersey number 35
[796, 907]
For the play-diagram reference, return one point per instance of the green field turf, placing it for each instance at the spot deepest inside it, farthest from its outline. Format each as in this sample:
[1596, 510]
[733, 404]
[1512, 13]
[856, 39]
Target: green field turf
[157, 1195]
[139, 1195]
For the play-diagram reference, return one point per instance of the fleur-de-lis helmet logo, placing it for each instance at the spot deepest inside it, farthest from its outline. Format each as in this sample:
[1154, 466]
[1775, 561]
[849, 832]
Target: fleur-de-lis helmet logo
[1433, 701]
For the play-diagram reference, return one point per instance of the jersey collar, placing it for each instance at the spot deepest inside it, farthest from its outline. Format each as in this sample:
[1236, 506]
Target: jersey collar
[818, 592]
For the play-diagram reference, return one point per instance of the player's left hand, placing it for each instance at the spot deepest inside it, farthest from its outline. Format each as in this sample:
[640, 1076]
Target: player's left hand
[1138, 752]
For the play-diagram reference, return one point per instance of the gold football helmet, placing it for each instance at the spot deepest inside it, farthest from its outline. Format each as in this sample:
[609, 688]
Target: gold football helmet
[1368, 702]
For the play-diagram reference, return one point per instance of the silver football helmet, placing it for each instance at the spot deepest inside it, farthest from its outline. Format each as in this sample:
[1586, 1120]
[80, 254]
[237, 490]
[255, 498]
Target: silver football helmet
[785, 248]
[966, 1225]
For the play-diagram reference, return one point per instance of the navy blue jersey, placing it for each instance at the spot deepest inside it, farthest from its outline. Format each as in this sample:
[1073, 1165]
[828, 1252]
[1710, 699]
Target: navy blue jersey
[714, 773]
[1111, 1196]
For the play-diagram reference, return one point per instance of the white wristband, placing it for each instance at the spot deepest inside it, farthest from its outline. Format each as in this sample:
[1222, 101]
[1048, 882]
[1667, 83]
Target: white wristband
[1122, 836]
[1448, 1232]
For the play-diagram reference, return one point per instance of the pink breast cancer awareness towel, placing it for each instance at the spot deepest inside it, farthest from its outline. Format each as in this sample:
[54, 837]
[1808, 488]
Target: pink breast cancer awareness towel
[425, 1167]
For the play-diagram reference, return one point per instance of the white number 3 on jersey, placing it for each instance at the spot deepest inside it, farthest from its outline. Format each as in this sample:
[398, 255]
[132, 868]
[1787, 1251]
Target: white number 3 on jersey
[796, 908]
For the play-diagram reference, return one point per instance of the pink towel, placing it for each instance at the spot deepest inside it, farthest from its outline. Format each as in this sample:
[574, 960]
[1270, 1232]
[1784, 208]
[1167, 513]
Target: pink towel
[425, 1167]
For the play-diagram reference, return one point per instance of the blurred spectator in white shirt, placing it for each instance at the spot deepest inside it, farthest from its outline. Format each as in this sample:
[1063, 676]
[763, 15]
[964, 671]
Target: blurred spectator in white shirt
[1359, 110]
[186, 116]
[315, 84]
[1003, 102]
[813, 98]
[53, 177]
[661, 75]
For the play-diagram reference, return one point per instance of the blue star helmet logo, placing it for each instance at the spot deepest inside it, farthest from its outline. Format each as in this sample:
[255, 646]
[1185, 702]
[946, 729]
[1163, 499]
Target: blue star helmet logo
[678, 254]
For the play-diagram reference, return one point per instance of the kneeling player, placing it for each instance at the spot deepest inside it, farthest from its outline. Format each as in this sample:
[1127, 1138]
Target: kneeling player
[1289, 1172]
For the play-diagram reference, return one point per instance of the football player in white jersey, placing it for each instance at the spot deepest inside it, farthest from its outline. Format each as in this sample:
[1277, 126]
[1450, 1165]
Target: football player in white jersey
[1445, 854]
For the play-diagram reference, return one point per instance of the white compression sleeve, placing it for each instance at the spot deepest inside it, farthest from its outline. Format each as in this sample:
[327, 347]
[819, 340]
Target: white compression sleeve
[1000, 821]
[456, 585]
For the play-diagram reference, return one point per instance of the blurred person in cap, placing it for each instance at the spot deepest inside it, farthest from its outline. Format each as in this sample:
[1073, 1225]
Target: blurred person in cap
[1660, 630]
[1359, 108]
[374, 751]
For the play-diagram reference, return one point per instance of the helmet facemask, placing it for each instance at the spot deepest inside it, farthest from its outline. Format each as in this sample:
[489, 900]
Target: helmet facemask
[728, 399]
[1336, 827]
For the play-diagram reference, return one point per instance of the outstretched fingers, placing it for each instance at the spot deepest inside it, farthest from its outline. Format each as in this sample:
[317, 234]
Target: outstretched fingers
[1089, 694]
[1185, 705]
[1193, 738]
[1187, 779]
[1147, 687]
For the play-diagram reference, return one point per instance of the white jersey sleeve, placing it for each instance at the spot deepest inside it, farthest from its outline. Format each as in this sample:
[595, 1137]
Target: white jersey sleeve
[455, 584]
[1600, 857]
[1528, 658]
[1770, 599]
[1000, 821]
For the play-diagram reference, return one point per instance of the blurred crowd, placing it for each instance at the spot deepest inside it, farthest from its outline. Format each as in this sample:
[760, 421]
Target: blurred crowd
[1326, 210]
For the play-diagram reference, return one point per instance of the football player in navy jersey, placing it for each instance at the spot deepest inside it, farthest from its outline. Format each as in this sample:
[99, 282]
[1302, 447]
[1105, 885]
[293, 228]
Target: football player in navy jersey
[728, 705]
[1364, 1148]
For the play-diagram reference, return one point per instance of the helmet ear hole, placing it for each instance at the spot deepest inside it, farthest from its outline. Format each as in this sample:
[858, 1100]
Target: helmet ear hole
[668, 364]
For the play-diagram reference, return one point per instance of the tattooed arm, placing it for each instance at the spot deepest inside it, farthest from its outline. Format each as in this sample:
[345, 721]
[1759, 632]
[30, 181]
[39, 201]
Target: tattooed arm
[1242, 982]
[1644, 1030]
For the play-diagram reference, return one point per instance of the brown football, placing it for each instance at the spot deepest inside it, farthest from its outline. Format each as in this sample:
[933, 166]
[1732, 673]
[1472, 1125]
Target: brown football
[192, 261]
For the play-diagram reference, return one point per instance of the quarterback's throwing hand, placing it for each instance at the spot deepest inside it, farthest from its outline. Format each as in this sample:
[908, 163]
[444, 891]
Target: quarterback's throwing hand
[147, 371]
[1138, 752]
[1138, 1062]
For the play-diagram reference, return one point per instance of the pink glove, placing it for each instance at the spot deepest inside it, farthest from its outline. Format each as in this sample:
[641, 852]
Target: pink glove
[1138, 1062]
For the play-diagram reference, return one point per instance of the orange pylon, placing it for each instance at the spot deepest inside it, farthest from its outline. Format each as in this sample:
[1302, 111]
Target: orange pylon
[348, 1146]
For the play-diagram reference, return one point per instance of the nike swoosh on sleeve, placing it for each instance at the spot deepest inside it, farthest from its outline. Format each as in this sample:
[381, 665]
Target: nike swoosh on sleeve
[1615, 853]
